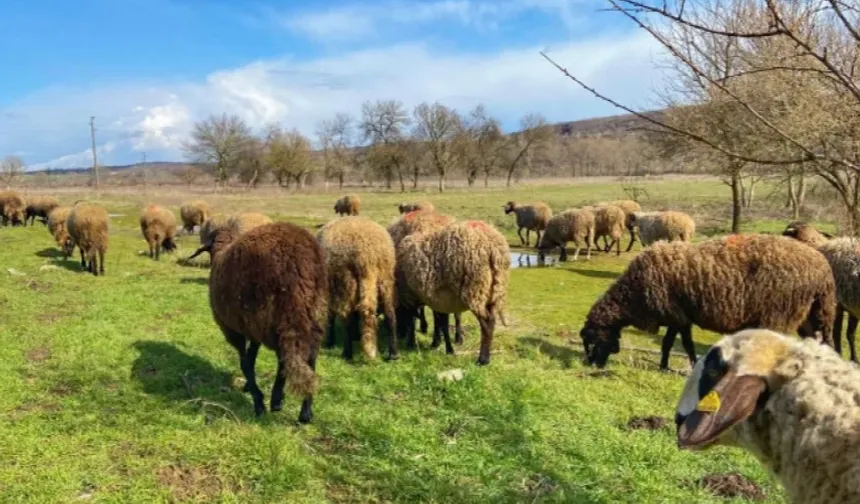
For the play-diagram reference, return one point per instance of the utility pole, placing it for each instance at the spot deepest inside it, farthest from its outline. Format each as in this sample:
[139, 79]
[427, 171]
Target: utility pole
[95, 156]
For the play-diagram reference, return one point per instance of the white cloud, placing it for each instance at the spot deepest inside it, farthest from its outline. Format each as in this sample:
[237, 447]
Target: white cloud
[155, 117]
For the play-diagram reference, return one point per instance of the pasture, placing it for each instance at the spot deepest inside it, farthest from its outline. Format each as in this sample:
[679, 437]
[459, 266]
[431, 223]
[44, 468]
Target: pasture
[122, 389]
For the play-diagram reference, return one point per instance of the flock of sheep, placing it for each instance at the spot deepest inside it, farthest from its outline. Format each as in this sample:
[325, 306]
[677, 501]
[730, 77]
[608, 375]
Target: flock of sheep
[793, 403]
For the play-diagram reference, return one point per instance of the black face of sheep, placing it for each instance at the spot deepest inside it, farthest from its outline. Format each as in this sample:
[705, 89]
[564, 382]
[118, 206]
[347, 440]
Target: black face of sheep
[509, 207]
[168, 245]
[599, 344]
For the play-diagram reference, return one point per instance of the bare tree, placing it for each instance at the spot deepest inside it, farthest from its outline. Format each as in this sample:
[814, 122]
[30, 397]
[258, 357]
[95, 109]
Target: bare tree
[383, 124]
[436, 126]
[188, 174]
[480, 144]
[337, 137]
[289, 156]
[11, 168]
[533, 135]
[220, 142]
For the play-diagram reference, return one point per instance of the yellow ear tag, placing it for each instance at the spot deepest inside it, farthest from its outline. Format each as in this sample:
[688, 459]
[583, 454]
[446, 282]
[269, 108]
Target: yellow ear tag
[710, 403]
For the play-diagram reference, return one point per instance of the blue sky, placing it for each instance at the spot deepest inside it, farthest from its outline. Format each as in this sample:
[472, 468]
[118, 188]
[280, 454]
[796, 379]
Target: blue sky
[148, 69]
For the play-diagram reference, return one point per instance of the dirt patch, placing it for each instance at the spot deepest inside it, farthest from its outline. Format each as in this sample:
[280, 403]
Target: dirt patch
[198, 483]
[37, 286]
[33, 408]
[38, 354]
[48, 318]
[63, 389]
[731, 485]
[647, 423]
[600, 373]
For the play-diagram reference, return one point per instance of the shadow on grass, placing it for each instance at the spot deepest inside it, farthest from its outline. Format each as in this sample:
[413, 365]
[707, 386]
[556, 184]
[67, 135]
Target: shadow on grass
[562, 353]
[168, 372]
[612, 275]
[71, 264]
[194, 280]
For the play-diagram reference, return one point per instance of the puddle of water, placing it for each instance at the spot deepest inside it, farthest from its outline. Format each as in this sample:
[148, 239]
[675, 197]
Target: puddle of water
[116, 215]
[524, 260]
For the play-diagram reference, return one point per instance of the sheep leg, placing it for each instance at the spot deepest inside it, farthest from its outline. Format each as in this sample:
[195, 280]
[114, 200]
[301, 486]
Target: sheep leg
[353, 332]
[852, 329]
[537, 241]
[277, 402]
[617, 247]
[528, 231]
[93, 266]
[330, 338]
[520, 234]
[391, 320]
[83, 259]
[248, 363]
[632, 239]
[441, 320]
[458, 330]
[406, 325]
[666, 347]
[422, 318]
[563, 254]
[306, 414]
[837, 328]
[687, 342]
[488, 324]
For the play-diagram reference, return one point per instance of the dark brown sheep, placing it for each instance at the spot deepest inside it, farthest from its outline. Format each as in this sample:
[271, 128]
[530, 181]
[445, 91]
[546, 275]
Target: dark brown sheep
[193, 214]
[13, 208]
[269, 287]
[88, 226]
[39, 206]
[158, 226]
[348, 205]
[724, 285]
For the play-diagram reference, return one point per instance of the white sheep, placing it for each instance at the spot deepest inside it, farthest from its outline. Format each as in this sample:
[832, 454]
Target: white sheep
[794, 404]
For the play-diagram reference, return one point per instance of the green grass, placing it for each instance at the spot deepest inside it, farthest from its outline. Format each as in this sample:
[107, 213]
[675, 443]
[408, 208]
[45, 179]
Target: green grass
[121, 388]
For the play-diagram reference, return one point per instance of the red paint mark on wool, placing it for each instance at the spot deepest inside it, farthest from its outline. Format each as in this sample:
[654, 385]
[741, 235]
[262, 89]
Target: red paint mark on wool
[411, 215]
[476, 224]
[735, 239]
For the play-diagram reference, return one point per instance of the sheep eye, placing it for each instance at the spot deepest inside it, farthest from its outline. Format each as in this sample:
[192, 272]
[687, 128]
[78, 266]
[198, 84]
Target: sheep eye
[713, 373]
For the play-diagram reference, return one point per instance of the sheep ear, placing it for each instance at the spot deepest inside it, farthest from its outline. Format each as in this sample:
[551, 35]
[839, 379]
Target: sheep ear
[731, 401]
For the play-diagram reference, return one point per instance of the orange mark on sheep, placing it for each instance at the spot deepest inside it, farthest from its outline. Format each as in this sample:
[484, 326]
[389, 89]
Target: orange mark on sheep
[735, 240]
[412, 215]
[476, 224]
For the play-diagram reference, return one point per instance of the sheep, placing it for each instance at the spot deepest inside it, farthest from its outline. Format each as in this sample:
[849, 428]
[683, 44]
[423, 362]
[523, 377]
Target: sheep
[609, 222]
[244, 222]
[628, 206]
[411, 207]
[39, 206]
[348, 205]
[57, 227]
[158, 226]
[269, 287]
[240, 223]
[462, 266]
[534, 217]
[721, 285]
[88, 226]
[576, 225]
[408, 306]
[193, 214]
[210, 225]
[668, 225]
[360, 259]
[843, 254]
[791, 403]
[12, 208]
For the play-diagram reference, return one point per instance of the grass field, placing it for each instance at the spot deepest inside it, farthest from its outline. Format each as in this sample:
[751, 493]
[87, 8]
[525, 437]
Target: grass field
[121, 388]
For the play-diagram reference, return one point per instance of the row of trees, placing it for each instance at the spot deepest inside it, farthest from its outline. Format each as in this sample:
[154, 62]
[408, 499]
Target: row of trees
[386, 143]
[760, 88]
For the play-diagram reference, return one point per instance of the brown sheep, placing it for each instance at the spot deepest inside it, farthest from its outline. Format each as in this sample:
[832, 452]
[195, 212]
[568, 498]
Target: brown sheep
[576, 225]
[666, 225]
[629, 206]
[463, 266]
[408, 305]
[193, 214]
[13, 208]
[360, 260]
[723, 285]
[57, 227]
[411, 207]
[348, 205]
[269, 287]
[609, 223]
[534, 217]
[244, 222]
[210, 225]
[39, 206]
[158, 226]
[88, 226]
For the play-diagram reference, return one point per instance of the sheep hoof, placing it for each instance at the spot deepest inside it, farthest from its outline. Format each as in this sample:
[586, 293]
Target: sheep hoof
[305, 417]
[393, 357]
[483, 361]
[258, 412]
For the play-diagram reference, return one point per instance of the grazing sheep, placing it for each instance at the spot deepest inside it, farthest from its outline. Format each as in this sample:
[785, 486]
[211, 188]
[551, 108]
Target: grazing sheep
[408, 305]
[348, 205]
[359, 256]
[411, 207]
[269, 287]
[668, 225]
[210, 225]
[39, 206]
[843, 254]
[12, 208]
[193, 214]
[57, 227]
[244, 222]
[576, 225]
[609, 223]
[628, 206]
[463, 266]
[723, 285]
[534, 217]
[792, 404]
[88, 226]
[158, 226]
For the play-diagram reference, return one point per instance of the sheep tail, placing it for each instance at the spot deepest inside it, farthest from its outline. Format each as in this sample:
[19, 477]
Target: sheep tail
[498, 285]
[301, 378]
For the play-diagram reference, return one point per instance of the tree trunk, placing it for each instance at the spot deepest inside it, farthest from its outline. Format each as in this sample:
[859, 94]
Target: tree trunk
[486, 179]
[441, 182]
[750, 194]
[737, 199]
[790, 199]
[340, 181]
[416, 174]
[510, 176]
[400, 177]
